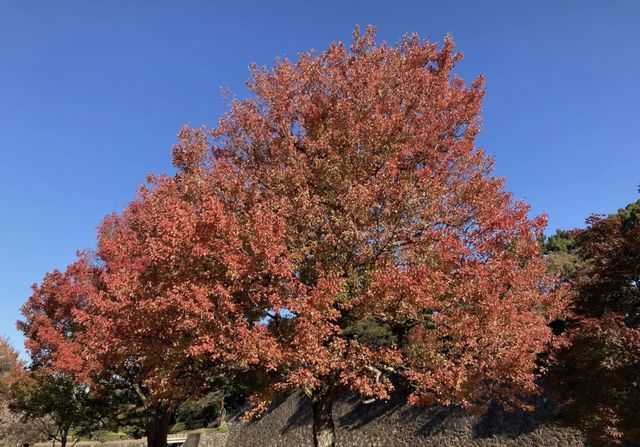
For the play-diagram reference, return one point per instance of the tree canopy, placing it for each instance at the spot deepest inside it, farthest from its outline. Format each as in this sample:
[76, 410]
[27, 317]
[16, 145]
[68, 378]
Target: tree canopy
[339, 228]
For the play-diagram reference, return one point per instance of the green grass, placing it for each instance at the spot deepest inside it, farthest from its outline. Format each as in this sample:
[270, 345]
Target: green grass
[224, 429]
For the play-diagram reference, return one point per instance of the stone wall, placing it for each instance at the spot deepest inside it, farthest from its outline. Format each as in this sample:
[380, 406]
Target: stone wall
[119, 443]
[389, 424]
[395, 424]
[207, 440]
[214, 440]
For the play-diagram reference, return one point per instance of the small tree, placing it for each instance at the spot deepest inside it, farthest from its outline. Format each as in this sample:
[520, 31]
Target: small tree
[14, 428]
[72, 408]
[11, 368]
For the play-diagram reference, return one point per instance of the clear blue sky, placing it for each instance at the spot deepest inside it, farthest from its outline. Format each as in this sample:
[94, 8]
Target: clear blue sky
[92, 94]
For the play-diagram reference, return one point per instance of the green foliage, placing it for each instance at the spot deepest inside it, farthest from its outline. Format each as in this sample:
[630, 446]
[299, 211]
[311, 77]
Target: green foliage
[71, 406]
[629, 215]
[127, 415]
[562, 255]
[107, 435]
[562, 241]
[197, 413]
[370, 332]
[565, 264]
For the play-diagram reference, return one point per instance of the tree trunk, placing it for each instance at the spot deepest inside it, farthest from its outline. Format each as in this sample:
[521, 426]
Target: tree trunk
[64, 435]
[324, 430]
[158, 420]
[223, 413]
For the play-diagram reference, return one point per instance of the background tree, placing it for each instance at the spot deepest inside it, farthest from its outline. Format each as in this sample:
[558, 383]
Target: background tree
[14, 429]
[11, 367]
[391, 247]
[13, 426]
[57, 325]
[597, 374]
[562, 257]
[72, 408]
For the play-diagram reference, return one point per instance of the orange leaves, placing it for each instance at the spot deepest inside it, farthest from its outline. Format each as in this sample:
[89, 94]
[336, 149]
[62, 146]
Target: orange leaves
[189, 154]
[12, 367]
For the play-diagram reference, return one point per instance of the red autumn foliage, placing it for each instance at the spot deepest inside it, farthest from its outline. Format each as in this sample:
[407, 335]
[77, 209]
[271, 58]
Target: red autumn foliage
[52, 317]
[176, 277]
[389, 212]
[596, 376]
[385, 211]
[337, 227]
[171, 281]
[596, 379]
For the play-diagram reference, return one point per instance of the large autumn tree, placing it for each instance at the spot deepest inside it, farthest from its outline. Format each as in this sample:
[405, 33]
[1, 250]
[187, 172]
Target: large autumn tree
[597, 374]
[338, 226]
[392, 247]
